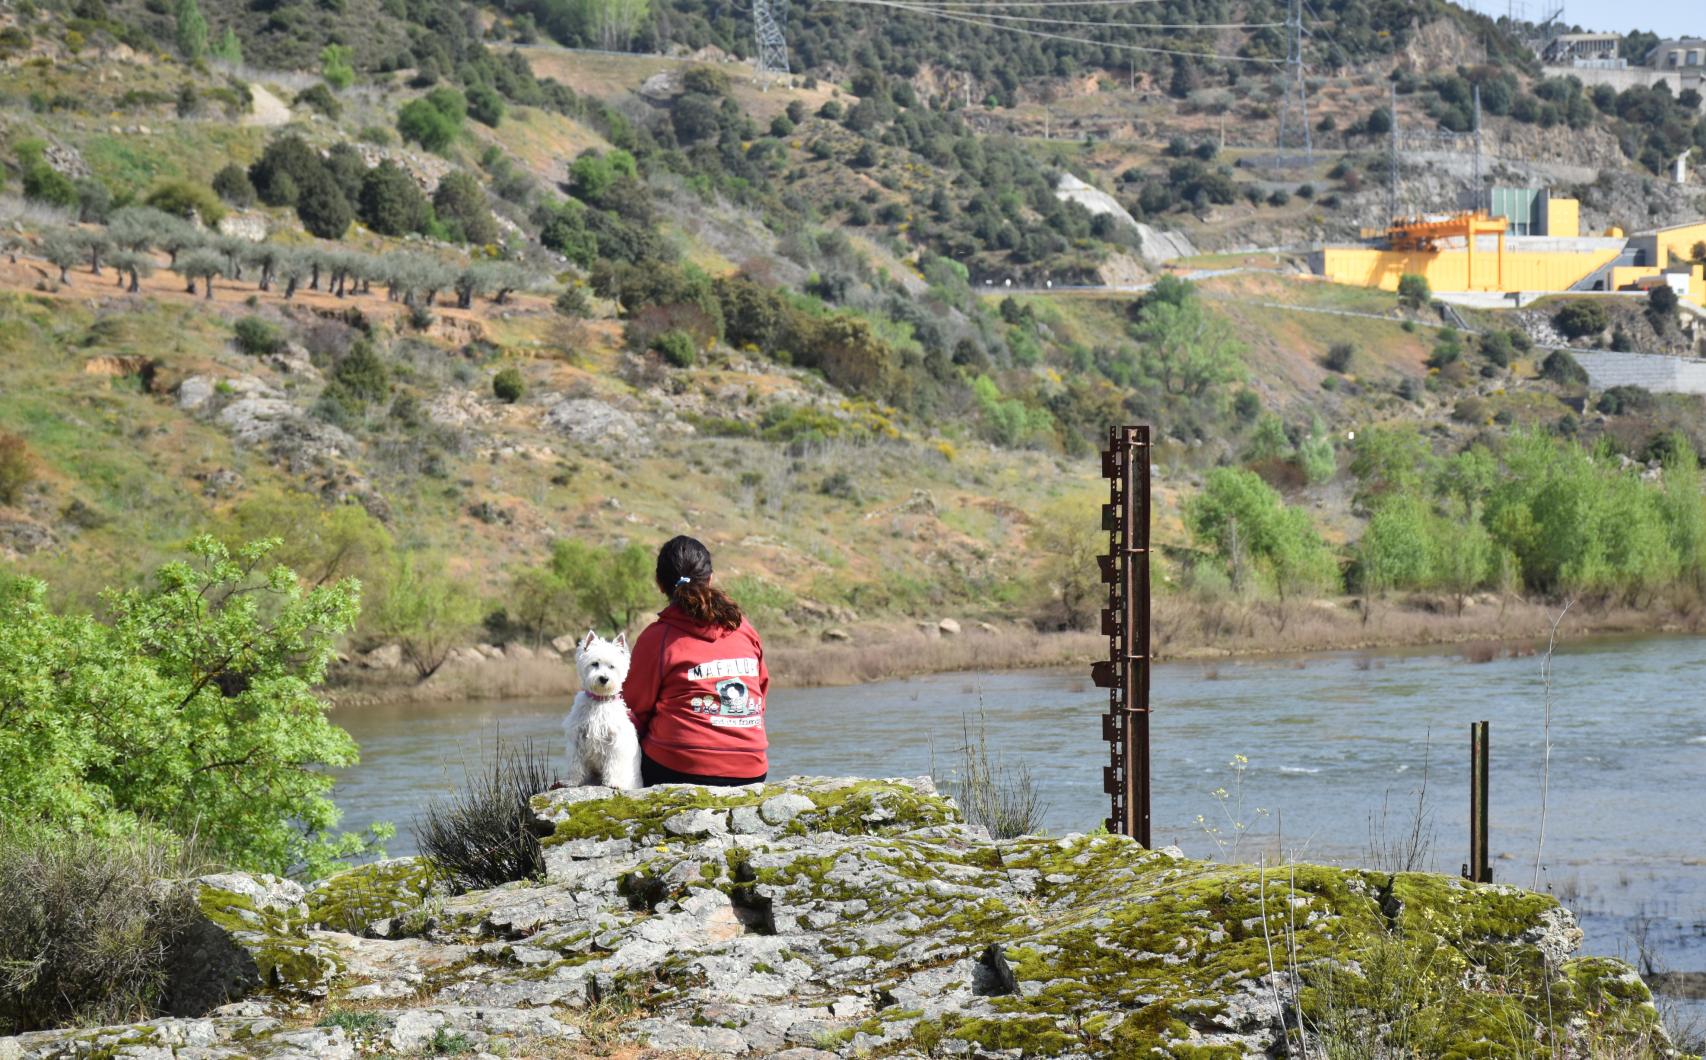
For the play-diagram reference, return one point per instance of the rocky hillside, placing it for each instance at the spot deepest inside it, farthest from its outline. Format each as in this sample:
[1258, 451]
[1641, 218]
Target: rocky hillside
[818, 918]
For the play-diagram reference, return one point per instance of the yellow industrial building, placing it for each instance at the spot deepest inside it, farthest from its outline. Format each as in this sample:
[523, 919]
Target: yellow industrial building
[1529, 241]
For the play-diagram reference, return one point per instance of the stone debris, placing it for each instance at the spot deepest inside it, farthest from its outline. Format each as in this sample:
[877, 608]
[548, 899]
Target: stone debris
[589, 421]
[817, 918]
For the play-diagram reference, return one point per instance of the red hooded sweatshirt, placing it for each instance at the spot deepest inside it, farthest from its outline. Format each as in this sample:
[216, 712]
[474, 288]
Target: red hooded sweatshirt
[697, 693]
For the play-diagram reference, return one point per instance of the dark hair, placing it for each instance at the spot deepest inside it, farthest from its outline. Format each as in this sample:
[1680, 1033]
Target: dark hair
[684, 573]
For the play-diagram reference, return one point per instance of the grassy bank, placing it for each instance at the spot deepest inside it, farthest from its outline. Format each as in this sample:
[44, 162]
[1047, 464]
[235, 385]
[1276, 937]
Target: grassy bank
[1184, 629]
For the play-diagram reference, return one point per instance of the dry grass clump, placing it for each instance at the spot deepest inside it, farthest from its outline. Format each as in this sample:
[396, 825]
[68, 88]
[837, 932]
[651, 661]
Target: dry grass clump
[906, 655]
[1002, 800]
[483, 835]
[86, 928]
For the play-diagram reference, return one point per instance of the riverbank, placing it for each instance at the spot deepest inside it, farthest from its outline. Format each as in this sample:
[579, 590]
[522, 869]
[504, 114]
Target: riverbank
[1184, 629]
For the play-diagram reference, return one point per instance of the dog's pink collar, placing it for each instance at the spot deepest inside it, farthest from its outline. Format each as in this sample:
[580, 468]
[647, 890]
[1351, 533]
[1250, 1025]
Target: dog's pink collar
[596, 698]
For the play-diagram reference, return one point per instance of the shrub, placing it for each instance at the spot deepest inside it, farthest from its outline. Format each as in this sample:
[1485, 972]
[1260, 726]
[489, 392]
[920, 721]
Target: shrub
[1339, 356]
[482, 835]
[434, 120]
[676, 347]
[485, 105]
[573, 302]
[16, 469]
[337, 65]
[1661, 301]
[233, 185]
[1003, 801]
[508, 386]
[86, 928]
[258, 337]
[1580, 319]
[1497, 347]
[319, 97]
[1413, 290]
[1560, 367]
[186, 199]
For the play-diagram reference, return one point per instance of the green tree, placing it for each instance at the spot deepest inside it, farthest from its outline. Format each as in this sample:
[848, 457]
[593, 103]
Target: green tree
[321, 205]
[1316, 454]
[1396, 550]
[1462, 551]
[337, 65]
[425, 610]
[1068, 536]
[391, 202]
[611, 587]
[229, 49]
[192, 31]
[611, 24]
[1253, 533]
[460, 204]
[188, 710]
[1388, 460]
[1413, 290]
[1189, 350]
[201, 265]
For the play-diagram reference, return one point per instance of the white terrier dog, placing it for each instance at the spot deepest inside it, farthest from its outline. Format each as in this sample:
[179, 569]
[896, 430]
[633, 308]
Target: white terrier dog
[603, 747]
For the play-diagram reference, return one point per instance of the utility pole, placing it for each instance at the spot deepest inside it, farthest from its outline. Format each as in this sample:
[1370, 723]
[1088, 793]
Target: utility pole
[1392, 162]
[1476, 205]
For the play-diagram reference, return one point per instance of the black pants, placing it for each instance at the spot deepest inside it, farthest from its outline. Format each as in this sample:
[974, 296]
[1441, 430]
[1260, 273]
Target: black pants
[653, 774]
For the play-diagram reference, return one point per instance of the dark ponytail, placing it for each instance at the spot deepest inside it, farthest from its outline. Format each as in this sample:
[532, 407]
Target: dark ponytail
[684, 573]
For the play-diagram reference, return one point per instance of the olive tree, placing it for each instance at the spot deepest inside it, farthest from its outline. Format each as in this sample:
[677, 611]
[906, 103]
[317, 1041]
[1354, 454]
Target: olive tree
[96, 244]
[133, 263]
[63, 249]
[290, 266]
[200, 264]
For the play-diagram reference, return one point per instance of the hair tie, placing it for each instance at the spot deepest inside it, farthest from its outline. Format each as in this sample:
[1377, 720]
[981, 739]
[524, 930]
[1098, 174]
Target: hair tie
[683, 580]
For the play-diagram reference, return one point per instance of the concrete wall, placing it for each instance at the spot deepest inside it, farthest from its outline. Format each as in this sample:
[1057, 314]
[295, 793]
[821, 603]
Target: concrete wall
[1448, 270]
[1657, 372]
[1631, 77]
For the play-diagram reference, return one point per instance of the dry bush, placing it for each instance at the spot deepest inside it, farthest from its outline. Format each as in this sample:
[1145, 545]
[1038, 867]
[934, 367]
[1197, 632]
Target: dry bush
[483, 835]
[16, 469]
[86, 928]
[1003, 801]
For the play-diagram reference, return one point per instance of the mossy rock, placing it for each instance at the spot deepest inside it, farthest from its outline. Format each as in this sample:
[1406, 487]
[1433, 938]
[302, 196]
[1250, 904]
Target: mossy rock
[353, 899]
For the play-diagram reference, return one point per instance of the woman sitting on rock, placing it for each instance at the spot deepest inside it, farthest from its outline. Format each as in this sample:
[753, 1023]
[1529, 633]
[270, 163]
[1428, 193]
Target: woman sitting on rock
[697, 682]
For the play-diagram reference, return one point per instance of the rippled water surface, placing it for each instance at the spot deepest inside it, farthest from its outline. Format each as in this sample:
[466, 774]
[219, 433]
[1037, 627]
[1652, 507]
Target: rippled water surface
[1329, 738]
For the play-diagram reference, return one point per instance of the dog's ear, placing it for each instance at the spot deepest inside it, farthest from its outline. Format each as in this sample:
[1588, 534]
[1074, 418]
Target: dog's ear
[622, 640]
[586, 641]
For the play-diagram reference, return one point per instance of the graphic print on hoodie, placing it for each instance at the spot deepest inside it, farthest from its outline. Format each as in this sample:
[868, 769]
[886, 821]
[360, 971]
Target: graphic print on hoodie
[697, 694]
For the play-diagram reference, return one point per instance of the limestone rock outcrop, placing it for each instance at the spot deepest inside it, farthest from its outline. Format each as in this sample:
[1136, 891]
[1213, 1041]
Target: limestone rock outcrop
[819, 917]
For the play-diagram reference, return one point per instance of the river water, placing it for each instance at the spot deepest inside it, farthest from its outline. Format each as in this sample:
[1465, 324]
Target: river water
[1329, 740]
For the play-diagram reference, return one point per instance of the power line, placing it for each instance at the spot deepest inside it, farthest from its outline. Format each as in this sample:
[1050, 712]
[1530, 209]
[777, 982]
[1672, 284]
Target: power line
[1032, 3]
[982, 21]
[926, 8]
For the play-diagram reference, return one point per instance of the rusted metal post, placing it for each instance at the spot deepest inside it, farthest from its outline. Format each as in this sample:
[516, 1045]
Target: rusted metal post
[1479, 869]
[1125, 622]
